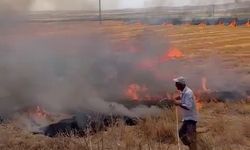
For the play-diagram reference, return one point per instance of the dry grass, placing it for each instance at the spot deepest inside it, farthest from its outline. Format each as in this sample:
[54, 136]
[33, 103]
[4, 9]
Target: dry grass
[163, 128]
[229, 129]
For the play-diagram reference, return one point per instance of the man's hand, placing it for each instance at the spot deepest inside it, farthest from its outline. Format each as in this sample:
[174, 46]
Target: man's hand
[175, 102]
[164, 99]
[177, 98]
[178, 103]
[172, 101]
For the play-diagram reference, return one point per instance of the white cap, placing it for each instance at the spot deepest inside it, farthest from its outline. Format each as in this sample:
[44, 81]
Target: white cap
[180, 80]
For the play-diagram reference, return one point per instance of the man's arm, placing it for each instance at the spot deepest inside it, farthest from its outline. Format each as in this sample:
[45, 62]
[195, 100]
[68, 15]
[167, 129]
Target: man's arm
[187, 102]
[178, 103]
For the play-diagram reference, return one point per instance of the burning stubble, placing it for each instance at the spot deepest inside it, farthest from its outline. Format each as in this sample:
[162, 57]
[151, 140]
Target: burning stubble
[66, 74]
[76, 73]
[75, 67]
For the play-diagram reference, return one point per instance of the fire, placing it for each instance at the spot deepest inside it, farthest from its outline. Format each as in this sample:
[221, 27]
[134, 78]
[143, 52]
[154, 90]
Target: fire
[198, 97]
[233, 24]
[173, 53]
[168, 24]
[199, 105]
[38, 112]
[204, 84]
[187, 24]
[138, 24]
[248, 23]
[134, 91]
[202, 24]
[220, 23]
[198, 100]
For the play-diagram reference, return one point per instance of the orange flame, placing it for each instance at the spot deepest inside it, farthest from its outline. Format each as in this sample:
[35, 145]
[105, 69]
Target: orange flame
[173, 53]
[204, 84]
[199, 105]
[138, 24]
[39, 112]
[202, 24]
[198, 99]
[233, 24]
[169, 24]
[134, 91]
[248, 23]
[220, 23]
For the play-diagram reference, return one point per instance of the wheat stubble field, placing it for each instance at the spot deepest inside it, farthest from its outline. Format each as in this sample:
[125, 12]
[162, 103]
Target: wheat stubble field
[222, 126]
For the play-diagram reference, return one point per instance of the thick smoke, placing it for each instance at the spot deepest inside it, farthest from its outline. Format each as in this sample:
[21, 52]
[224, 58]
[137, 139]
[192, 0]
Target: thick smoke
[62, 73]
[58, 5]
[85, 71]
[14, 6]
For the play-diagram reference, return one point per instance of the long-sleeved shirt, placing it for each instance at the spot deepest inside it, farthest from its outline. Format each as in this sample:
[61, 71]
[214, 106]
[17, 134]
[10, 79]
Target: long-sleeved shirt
[188, 100]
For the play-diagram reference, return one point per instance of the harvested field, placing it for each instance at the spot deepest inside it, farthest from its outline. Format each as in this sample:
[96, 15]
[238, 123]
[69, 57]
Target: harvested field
[222, 126]
[198, 41]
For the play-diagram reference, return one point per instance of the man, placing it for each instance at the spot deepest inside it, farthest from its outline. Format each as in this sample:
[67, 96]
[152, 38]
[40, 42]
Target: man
[186, 102]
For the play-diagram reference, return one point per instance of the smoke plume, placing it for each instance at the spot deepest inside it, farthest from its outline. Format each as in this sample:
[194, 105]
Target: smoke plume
[62, 73]
[66, 71]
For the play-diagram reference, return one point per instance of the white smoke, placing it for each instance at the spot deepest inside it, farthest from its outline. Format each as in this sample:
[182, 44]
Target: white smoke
[61, 72]
[55, 5]
[82, 70]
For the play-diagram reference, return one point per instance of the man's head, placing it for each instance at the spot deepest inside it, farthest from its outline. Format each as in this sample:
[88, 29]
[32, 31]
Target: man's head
[180, 83]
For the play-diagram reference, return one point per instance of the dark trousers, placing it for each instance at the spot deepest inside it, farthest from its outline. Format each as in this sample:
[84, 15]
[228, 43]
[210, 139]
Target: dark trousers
[187, 134]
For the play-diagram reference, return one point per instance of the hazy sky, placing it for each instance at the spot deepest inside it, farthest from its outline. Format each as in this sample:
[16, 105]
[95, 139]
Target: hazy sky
[115, 4]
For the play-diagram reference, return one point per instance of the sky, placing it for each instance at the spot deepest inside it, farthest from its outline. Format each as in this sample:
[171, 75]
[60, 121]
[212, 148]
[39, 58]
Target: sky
[114, 4]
